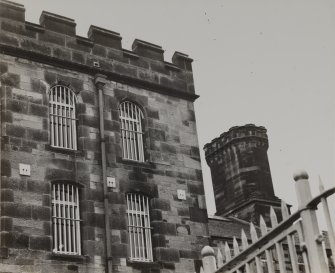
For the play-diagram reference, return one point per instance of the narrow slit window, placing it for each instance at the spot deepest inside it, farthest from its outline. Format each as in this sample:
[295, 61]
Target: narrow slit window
[65, 219]
[139, 228]
[131, 118]
[62, 108]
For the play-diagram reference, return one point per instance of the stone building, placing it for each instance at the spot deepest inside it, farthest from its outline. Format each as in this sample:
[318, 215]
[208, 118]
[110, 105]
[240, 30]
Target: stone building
[100, 164]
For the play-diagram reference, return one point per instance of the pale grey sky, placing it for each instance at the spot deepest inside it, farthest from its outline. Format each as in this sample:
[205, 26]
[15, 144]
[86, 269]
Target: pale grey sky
[271, 63]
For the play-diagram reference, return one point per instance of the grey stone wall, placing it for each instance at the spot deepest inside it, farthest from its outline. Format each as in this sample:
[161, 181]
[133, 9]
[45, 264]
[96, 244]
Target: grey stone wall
[33, 58]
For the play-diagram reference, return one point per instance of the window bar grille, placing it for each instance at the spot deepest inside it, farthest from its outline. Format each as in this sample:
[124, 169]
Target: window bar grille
[66, 220]
[131, 131]
[62, 118]
[139, 227]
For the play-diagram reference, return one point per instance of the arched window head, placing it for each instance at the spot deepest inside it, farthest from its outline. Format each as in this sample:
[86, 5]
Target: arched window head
[62, 107]
[139, 229]
[65, 219]
[131, 117]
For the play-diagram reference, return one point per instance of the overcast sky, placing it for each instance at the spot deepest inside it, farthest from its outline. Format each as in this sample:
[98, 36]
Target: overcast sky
[271, 63]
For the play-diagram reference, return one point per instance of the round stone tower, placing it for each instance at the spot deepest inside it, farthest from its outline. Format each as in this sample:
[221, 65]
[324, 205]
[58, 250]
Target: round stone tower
[240, 172]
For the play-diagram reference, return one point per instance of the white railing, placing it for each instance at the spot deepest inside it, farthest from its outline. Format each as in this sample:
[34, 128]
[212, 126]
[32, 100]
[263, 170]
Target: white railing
[294, 245]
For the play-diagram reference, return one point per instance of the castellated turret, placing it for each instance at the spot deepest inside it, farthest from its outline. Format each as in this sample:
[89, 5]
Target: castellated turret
[241, 173]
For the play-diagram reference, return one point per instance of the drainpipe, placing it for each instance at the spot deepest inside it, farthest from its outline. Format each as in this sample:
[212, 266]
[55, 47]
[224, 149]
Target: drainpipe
[100, 81]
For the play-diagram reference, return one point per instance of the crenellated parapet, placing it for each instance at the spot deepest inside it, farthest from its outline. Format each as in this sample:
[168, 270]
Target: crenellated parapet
[248, 134]
[54, 41]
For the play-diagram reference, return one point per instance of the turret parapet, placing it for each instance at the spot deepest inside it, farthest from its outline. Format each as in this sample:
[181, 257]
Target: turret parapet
[237, 133]
[54, 41]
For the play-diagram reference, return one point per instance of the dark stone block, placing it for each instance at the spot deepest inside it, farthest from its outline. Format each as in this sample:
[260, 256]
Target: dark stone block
[88, 97]
[3, 68]
[162, 204]
[148, 50]
[140, 62]
[149, 189]
[189, 254]
[61, 54]
[33, 46]
[7, 195]
[94, 220]
[78, 57]
[56, 174]
[156, 134]
[164, 228]
[120, 250]
[79, 46]
[198, 215]
[137, 175]
[118, 222]
[38, 110]
[18, 29]
[173, 83]
[158, 240]
[88, 233]
[125, 70]
[52, 38]
[99, 50]
[195, 188]
[89, 121]
[156, 214]
[111, 125]
[167, 254]
[14, 240]
[5, 167]
[167, 148]
[4, 253]
[6, 223]
[47, 227]
[41, 213]
[38, 186]
[37, 135]
[8, 39]
[159, 67]
[24, 261]
[72, 267]
[91, 144]
[183, 212]
[10, 79]
[40, 243]
[50, 77]
[116, 198]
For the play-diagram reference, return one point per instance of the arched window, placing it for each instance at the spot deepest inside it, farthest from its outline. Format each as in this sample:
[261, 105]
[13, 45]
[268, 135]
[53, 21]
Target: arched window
[65, 219]
[131, 131]
[62, 106]
[139, 227]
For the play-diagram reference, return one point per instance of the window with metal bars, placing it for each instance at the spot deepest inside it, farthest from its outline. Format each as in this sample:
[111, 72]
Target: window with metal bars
[139, 227]
[131, 117]
[65, 219]
[62, 107]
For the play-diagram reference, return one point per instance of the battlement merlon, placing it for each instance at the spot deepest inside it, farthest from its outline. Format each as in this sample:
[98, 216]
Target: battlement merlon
[234, 134]
[54, 41]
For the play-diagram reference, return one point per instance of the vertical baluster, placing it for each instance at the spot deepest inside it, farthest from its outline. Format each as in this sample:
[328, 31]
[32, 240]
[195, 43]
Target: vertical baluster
[302, 247]
[64, 218]
[244, 240]
[60, 117]
[268, 255]
[140, 136]
[235, 246]
[136, 118]
[131, 130]
[219, 258]
[227, 252]
[74, 127]
[281, 257]
[330, 228]
[78, 222]
[129, 227]
[254, 239]
[149, 231]
[68, 218]
[273, 218]
[141, 210]
[54, 209]
[56, 117]
[73, 221]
